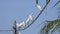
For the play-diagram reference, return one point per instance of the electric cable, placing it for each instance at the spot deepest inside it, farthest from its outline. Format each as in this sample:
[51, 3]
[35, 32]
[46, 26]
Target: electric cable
[36, 17]
[56, 4]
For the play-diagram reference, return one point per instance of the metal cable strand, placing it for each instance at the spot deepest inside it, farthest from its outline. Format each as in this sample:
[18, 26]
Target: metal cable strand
[5, 30]
[35, 18]
[55, 4]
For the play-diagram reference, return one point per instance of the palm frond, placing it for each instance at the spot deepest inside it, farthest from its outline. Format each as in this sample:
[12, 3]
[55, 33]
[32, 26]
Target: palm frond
[54, 25]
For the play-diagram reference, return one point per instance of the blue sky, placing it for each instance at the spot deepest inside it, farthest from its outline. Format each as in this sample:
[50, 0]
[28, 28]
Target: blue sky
[19, 10]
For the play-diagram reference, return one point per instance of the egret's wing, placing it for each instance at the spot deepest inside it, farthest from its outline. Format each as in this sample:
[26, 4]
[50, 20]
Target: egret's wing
[39, 7]
[27, 20]
[17, 24]
[21, 24]
[31, 17]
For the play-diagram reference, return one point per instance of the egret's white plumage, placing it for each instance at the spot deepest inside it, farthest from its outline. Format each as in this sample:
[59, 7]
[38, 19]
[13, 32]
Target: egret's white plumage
[29, 19]
[21, 24]
[39, 7]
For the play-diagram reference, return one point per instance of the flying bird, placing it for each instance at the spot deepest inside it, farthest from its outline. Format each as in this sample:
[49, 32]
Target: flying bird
[38, 6]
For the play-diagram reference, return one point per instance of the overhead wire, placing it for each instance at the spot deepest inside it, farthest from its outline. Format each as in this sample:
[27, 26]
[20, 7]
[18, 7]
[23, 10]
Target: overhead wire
[32, 21]
[5, 30]
[36, 17]
[56, 4]
[59, 11]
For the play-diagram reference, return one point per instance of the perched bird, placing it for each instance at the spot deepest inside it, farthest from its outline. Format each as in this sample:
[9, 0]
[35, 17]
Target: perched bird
[38, 6]
[22, 24]
[30, 18]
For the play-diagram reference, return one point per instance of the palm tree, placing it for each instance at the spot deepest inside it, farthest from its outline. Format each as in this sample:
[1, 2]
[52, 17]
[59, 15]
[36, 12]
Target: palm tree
[51, 26]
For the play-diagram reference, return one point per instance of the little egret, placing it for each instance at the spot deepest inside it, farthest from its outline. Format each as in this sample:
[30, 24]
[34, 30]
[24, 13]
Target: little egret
[38, 6]
[29, 19]
[22, 24]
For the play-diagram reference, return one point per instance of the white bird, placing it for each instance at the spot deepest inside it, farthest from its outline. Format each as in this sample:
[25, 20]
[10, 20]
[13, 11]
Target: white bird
[22, 24]
[38, 6]
[29, 19]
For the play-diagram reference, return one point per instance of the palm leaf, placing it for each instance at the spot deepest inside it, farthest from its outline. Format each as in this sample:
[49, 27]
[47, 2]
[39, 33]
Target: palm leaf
[54, 25]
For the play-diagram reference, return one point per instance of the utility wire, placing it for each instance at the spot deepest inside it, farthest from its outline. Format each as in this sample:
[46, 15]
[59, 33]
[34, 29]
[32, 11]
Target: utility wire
[36, 1]
[32, 21]
[5, 30]
[59, 13]
[35, 18]
[56, 4]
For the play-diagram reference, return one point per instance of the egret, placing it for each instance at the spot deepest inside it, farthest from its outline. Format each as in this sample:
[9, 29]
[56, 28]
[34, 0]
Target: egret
[22, 24]
[38, 6]
[29, 19]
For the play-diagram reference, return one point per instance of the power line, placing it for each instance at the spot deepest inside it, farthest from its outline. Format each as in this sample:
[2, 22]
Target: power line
[5, 30]
[56, 3]
[14, 25]
[35, 18]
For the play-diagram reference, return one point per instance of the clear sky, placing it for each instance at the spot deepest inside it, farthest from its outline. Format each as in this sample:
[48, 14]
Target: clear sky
[19, 10]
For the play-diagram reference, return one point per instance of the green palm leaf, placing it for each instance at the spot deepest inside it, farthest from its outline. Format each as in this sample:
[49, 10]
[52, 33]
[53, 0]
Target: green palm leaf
[54, 25]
